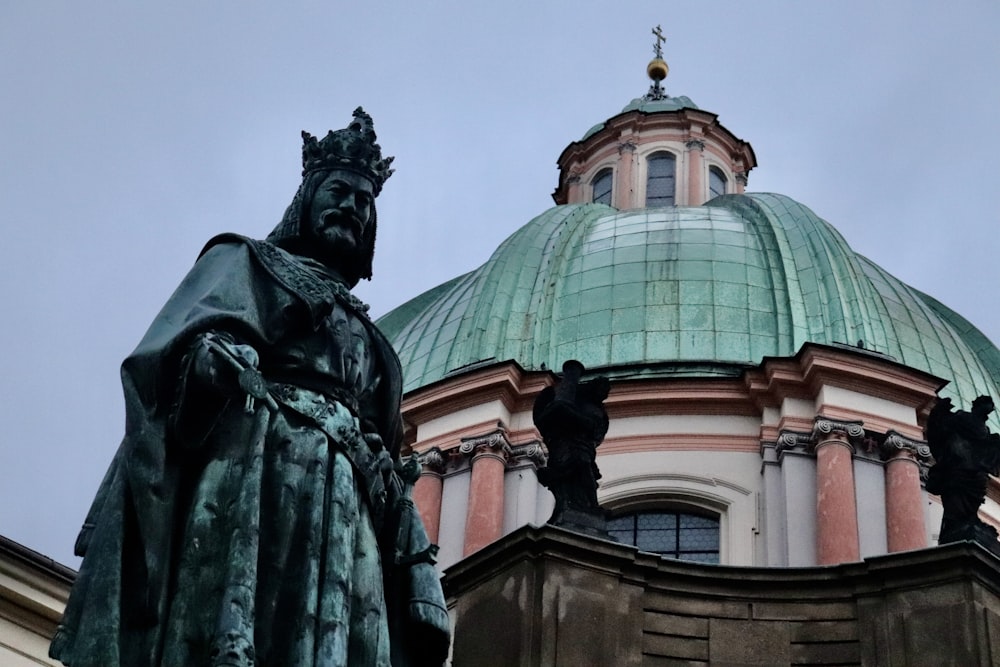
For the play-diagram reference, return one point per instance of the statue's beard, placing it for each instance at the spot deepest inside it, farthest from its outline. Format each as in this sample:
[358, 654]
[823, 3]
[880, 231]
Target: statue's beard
[336, 240]
[333, 221]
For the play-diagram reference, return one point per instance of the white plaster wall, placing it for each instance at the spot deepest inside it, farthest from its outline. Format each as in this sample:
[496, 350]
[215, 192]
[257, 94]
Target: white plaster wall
[991, 509]
[20, 647]
[520, 498]
[724, 482]
[799, 494]
[798, 407]
[869, 493]
[28, 601]
[454, 506]
[933, 512]
[774, 522]
[698, 424]
[521, 421]
[491, 411]
[853, 400]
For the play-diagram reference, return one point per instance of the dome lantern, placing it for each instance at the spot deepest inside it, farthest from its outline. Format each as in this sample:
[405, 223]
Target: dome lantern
[658, 151]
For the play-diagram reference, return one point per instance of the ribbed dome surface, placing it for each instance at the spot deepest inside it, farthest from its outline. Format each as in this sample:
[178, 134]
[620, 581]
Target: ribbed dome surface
[715, 287]
[649, 106]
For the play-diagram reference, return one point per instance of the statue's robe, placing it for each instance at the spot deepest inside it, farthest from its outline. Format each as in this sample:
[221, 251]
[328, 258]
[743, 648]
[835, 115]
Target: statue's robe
[225, 537]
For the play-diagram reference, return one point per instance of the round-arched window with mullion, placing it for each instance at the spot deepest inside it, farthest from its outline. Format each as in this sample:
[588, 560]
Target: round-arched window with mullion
[661, 172]
[602, 187]
[716, 182]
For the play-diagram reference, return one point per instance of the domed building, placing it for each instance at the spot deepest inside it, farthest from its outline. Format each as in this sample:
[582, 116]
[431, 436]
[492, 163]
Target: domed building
[762, 469]
[769, 386]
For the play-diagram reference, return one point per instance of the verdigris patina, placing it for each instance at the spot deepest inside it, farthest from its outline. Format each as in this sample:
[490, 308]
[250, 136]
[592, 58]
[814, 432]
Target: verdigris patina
[965, 454]
[257, 511]
[573, 422]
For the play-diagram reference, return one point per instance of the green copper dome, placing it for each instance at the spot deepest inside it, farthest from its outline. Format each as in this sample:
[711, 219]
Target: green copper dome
[696, 290]
[646, 104]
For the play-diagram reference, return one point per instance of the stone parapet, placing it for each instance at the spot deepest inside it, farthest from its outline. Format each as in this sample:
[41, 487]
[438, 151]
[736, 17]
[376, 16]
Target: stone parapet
[569, 599]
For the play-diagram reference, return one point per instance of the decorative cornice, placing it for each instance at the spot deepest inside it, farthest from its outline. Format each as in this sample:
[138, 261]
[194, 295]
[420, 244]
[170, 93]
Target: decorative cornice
[495, 444]
[694, 144]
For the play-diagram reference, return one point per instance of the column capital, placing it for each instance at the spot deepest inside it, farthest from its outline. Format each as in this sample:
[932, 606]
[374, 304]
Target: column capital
[793, 440]
[433, 460]
[532, 451]
[493, 444]
[627, 147]
[741, 178]
[897, 443]
[824, 429]
[694, 144]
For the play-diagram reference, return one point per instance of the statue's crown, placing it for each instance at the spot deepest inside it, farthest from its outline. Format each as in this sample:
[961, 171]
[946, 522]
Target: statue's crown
[352, 148]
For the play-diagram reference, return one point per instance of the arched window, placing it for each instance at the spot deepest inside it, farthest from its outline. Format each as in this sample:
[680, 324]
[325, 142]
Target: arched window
[602, 187]
[716, 182]
[660, 177]
[672, 534]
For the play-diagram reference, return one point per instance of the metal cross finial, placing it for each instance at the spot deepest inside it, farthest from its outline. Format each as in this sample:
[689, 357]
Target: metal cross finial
[659, 41]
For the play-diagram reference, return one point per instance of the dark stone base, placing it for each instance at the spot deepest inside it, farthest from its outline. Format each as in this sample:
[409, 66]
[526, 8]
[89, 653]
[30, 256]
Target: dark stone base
[978, 532]
[545, 597]
[588, 523]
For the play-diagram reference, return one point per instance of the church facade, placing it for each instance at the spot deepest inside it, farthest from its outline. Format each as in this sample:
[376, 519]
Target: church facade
[769, 394]
[769, 386]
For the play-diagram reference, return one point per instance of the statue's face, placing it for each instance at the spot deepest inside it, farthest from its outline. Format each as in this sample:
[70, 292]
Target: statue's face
[340, 212]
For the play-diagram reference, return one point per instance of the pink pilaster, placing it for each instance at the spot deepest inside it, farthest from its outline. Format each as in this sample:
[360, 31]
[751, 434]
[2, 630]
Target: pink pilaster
[624, 193]
[836, 506]
[696, 186]
[484, 520]
[574, 187]
[904, 511]
[428, 490]
[741, 182]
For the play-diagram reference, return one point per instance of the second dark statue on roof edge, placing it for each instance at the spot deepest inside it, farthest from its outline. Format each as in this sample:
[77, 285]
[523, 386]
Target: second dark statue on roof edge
[573, 422]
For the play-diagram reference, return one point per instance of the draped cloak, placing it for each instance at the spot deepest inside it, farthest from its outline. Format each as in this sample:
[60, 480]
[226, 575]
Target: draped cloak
[221, 537]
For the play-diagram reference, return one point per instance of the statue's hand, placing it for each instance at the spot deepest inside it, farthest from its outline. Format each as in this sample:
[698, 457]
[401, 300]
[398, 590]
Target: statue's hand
[218, 360]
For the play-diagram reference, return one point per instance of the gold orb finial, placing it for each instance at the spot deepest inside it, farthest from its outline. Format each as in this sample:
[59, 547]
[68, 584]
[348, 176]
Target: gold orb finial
[657, 69]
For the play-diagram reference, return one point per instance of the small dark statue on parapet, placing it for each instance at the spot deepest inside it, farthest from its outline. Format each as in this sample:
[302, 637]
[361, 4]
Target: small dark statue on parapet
[257, 513]
[965, 454]
[573, 422]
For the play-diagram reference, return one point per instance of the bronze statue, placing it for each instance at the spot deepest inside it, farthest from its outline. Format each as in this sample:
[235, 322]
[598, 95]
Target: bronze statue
[257, 512]
[965, 454]
[573, 422]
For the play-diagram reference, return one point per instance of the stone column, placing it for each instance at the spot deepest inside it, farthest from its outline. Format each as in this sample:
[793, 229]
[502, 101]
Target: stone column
[836, 504]
[696, 182]
[484, 520]
[904, 503]
[624, 185]
[427, 491]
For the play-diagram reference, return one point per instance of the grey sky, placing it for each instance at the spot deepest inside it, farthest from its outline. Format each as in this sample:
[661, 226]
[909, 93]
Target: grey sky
[131, 133]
